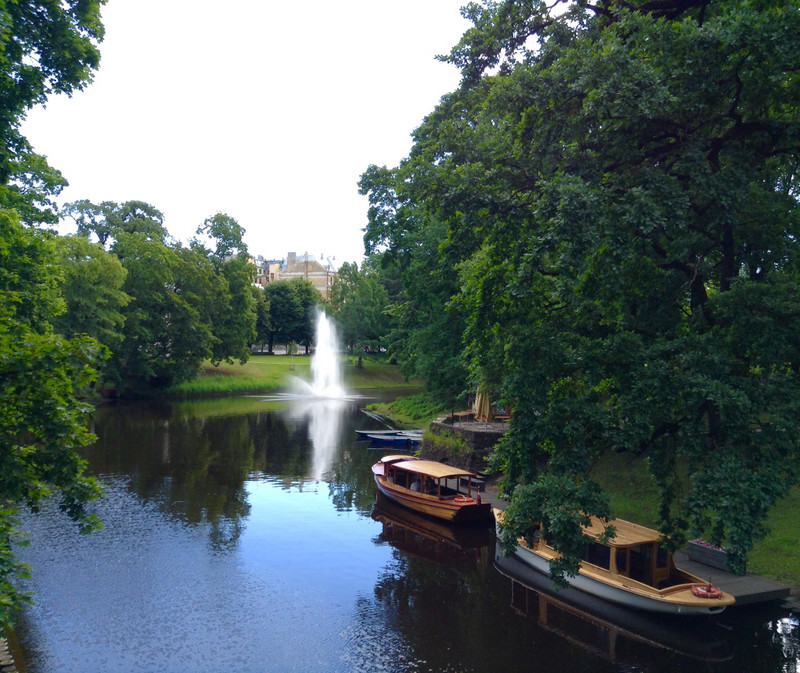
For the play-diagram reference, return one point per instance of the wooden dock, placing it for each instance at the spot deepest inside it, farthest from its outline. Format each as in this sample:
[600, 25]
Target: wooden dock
[746, 588]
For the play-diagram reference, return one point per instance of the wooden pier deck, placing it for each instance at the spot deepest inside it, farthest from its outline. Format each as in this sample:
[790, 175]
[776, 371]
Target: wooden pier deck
[746, 588]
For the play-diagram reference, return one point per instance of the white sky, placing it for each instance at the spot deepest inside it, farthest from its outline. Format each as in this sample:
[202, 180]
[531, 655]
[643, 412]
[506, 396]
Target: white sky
[266, 110]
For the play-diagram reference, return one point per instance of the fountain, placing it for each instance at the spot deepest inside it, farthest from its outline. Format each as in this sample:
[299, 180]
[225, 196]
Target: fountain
[326, 371]
[322, 401]
[325, 367]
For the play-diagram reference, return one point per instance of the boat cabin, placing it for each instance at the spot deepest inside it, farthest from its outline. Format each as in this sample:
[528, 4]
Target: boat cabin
[635, 552]
[428, 477]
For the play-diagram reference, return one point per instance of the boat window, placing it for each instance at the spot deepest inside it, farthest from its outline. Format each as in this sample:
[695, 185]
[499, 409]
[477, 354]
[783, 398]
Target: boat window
[597, 554]
[662, 557]
[622, 561]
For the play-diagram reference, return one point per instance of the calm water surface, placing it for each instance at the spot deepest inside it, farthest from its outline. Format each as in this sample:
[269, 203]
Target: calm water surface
[243, 535]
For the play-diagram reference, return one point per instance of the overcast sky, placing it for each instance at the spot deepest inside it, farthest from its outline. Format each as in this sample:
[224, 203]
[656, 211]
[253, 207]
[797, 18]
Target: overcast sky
[268, 111]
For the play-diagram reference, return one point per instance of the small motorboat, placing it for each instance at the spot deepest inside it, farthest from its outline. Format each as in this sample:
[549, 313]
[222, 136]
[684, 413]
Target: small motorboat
[395, 437]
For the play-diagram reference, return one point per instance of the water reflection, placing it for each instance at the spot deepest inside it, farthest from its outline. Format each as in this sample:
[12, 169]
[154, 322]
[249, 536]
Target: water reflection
[429, 539]
[610, 631]
[323, 416]
[242, 535]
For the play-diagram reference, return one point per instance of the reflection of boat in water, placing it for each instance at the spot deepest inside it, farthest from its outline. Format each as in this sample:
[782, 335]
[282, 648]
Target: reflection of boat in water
[393, 437]
[431, 488]
[612, 631]
[632, 569]
[420, 536]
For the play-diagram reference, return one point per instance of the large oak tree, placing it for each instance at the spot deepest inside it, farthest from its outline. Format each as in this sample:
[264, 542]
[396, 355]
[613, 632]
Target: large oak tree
[618, 182]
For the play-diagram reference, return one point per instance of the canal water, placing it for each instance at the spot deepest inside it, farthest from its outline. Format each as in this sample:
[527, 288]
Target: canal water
[243, 535]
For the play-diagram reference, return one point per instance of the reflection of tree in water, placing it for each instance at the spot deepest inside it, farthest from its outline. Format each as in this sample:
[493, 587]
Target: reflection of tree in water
[193, 468]
[279, 449]
[434, 605]
[352, 485]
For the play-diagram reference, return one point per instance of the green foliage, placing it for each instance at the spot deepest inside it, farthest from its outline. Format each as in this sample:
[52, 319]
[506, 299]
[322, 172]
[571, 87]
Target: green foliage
[92, 290]
[612, 218]
[292, 310]
[227, 235]
[31, 189]
[359, 303]
[42, 422]
[445, 443]
[107, 220]
[235, 326]
[426, 334]
[559, 504]
[46, 48]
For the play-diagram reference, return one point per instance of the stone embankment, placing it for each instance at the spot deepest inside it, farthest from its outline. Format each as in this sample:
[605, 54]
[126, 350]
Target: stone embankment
[478, 437]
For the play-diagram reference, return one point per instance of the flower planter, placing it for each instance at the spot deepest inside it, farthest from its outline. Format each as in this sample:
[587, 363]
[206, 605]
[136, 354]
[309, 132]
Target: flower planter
[707, 554]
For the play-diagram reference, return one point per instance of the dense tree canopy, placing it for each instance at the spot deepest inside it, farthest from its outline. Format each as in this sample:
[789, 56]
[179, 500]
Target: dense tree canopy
[292, 309]
[235, 327]
[359, 301]
[616, 187]
[45, 48]
[42, 422]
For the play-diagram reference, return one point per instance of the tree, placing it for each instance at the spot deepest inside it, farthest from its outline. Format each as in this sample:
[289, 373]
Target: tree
[262, 315]
[284, 312]
[108, 219]
[308, 299]
[31, 189]
[427, 329]
[92, 290]
[45, 48]
[619, 198]
[359, 302]
[227, 235]
[40, 372]
[292, 309]
[235, 326]
[168, 328]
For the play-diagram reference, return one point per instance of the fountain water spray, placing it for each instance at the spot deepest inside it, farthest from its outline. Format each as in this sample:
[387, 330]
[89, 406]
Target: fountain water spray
[325, 366]
[326, 371]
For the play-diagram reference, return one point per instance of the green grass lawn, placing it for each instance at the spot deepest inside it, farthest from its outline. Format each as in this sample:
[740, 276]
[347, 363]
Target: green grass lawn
[269, 373]
[634, 497]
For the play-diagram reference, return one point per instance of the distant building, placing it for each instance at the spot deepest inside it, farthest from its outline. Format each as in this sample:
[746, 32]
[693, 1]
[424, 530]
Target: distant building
[319, 274]
[267, 270]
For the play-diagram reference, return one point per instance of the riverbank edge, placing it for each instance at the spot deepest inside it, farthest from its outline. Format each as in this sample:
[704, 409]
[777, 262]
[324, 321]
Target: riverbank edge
[7, 660]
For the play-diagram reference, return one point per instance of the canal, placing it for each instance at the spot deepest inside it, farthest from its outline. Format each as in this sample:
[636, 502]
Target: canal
[243, 535]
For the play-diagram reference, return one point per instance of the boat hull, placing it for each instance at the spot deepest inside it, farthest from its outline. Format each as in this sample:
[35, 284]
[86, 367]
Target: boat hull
[621, 595]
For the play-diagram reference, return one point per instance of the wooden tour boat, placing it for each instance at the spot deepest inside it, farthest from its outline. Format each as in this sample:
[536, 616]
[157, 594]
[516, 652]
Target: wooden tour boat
[431, 488]
[632, 569]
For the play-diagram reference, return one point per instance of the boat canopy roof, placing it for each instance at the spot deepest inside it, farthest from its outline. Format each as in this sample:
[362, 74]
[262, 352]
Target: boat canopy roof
[628, 534]
[430, 468]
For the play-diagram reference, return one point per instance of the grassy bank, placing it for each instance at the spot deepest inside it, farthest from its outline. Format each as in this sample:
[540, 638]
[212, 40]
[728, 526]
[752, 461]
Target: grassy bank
[271, 373]
[415, 410]
[635, 498]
